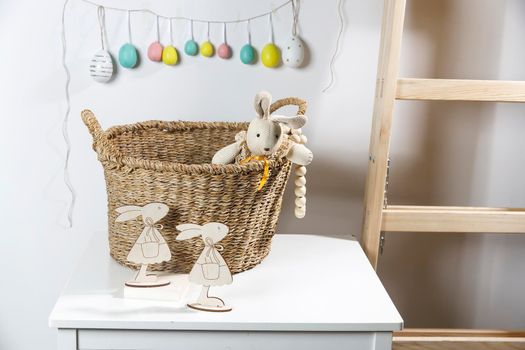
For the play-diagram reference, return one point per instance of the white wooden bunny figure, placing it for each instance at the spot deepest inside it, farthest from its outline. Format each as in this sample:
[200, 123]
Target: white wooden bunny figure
[210, 269]
[150, 247]
[264, 137]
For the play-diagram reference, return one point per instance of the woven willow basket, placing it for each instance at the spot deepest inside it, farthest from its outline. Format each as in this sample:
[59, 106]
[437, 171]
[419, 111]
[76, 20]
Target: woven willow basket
[169, 162]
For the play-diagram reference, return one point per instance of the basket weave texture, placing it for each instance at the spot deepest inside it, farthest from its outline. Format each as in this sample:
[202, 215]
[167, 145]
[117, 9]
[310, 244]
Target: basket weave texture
[169, 162]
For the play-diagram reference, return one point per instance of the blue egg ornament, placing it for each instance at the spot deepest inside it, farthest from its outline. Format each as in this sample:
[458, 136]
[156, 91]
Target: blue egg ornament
[128, 56]
[247, 54]
[191, 48]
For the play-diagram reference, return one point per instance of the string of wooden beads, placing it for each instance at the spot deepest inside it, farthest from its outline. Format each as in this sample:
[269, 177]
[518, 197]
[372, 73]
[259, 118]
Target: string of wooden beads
[300, 178]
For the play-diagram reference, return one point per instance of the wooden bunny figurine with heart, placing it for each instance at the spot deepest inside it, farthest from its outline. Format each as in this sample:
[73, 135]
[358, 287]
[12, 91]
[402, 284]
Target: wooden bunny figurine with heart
[210, 269]
[150, 247]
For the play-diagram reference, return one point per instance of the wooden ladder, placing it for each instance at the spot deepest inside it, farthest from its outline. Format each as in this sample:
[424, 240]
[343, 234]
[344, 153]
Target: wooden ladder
[380, 216]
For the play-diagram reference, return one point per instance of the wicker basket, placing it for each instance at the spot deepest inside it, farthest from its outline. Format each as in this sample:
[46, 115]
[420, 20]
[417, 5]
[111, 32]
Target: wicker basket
[169, 162]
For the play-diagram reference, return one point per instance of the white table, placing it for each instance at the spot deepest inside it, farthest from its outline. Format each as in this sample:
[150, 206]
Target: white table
[311, 292]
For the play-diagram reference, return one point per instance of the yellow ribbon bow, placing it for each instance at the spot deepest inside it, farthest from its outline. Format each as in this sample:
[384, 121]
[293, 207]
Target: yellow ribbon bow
[266, 171]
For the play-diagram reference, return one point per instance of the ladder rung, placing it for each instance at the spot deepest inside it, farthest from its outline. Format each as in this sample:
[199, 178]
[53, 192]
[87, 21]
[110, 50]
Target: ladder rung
[460, 90]
[453, 219]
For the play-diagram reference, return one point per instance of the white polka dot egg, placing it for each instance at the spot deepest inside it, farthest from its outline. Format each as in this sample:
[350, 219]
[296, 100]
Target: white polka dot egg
[101, 66]
[293, 55]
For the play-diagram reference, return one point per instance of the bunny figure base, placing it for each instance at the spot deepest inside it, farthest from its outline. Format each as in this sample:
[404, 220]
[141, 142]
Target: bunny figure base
[209, 308]
[207, 303]
[145, 284]
[144, 280]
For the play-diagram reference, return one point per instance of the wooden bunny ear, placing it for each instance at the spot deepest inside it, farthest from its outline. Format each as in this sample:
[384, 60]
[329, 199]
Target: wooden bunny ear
[188, 231]
[295, 122]
[128, 212]
[262, 103]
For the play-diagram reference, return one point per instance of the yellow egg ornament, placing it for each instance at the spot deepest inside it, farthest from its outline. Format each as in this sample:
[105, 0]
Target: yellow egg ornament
[170, 55]
[271, 55]
[207, 49]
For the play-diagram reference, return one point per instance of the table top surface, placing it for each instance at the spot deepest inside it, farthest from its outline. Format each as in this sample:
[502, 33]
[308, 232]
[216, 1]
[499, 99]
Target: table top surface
[307, 283]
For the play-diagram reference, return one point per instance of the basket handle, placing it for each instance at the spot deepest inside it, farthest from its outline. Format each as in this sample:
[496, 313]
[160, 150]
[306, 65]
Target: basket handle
[101, 144]
[301, 104]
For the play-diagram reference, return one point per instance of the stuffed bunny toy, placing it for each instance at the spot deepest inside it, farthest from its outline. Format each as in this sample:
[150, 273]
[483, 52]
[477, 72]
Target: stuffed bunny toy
[264, 137]
[150, 247]
[210, 269]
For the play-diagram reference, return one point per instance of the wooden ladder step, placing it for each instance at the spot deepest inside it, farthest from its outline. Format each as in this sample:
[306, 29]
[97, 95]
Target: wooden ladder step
[460, 90]
[399, 218]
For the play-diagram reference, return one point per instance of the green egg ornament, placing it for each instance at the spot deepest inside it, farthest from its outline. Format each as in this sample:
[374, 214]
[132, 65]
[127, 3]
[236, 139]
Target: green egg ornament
[128, 56]
[271, 55]
[191, 48]
[247, 54]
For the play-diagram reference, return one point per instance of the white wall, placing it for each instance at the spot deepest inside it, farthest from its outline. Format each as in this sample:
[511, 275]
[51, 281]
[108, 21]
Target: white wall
[442, 153]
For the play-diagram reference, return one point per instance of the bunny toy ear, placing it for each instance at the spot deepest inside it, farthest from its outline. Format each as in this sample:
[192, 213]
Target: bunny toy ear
[295, 122]
[188, 231]
[262, 103]
[128, 212]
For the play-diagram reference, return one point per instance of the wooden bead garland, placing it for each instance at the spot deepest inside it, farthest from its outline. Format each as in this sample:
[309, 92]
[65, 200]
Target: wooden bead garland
[300, 179]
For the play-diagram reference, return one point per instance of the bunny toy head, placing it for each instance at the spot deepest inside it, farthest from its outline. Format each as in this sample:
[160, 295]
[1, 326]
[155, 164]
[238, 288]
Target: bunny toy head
[264, 133]
[150, 213]
[212, 231]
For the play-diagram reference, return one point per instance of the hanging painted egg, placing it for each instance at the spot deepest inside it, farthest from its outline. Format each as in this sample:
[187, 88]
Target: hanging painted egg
[191, 48]
[128, 56]
[293, 53]
[207, 49]
[155, 51]
[224, 51]
[271, 55]
[170, 55]
[101, 67]
[247, 54]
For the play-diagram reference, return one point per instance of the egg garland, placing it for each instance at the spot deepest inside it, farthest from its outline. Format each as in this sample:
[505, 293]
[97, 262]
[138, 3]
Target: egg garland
[224, 51]
[271, 54]
[170, 56]
[155, 48]
[127, 55]
[191, 47]
[247, 54]
[293, 55]
[101, 65]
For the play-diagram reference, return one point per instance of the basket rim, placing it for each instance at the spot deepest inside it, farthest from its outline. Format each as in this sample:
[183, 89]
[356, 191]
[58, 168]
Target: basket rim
[159, 165]
[108, 152]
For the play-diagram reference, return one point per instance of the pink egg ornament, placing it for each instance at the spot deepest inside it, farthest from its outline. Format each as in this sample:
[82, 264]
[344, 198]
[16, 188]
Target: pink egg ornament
[224, 51]
[155, 51]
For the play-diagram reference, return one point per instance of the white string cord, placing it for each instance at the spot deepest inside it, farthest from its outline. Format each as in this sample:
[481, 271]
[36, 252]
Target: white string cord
[101, 23]
[129, 26]
[158, 29]
[295, 16]
[208, 32]
[337, 44]
[113, 8]
[171, 32]
[191, 30]
[65, 121]
[224, 38]
[249, 31]
[270, 27]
